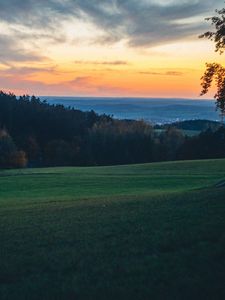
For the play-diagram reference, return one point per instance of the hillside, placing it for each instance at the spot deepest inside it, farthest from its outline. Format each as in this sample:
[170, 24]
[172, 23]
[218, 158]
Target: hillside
[150, 231]
[34, 133]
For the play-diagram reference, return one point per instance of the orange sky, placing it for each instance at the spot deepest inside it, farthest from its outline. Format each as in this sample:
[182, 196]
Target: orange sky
[75, 64]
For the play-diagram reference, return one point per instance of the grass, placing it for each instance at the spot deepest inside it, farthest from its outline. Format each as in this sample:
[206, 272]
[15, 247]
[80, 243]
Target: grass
[151, 231]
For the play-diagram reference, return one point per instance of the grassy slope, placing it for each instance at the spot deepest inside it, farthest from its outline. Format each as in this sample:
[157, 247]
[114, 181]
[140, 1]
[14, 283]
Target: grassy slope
[138, 232]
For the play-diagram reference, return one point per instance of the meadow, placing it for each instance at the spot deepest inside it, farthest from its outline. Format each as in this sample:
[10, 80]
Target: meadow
[150, 231]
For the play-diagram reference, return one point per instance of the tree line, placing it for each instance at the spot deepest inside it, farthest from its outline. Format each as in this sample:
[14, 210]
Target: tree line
[34, 133]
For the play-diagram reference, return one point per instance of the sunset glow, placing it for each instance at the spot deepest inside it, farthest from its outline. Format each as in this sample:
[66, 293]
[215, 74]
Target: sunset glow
[102, 49]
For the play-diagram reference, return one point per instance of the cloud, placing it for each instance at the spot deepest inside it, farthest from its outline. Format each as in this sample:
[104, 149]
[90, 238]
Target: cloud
[108, 63]
[79, 86]
[174, 73]
[168, 73]
[80, 81]
[28, 27]
[28, 71]
[141, 23]
[88, 85]
[10, 51]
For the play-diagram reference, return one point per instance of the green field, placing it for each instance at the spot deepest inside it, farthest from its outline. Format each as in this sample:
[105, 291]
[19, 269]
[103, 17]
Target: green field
[151, 231]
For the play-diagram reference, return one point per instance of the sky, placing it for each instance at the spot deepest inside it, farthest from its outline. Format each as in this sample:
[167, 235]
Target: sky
[115, 48]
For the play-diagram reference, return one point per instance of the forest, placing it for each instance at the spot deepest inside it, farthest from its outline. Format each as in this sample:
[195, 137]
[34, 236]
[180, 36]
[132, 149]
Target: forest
[34, 133]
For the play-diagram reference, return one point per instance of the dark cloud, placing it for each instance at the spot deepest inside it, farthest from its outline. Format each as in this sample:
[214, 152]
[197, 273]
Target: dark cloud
[11, 51]
[140, 23]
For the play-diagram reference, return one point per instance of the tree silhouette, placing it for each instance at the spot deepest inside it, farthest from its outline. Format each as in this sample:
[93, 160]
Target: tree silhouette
[215, 71]
[217, 36]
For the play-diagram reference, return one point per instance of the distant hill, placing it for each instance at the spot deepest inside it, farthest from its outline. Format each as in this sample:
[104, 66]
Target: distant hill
[198, 125]
[153, 110]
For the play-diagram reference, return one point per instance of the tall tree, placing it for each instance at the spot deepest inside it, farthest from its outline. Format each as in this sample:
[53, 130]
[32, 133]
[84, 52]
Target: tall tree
[215, 71]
